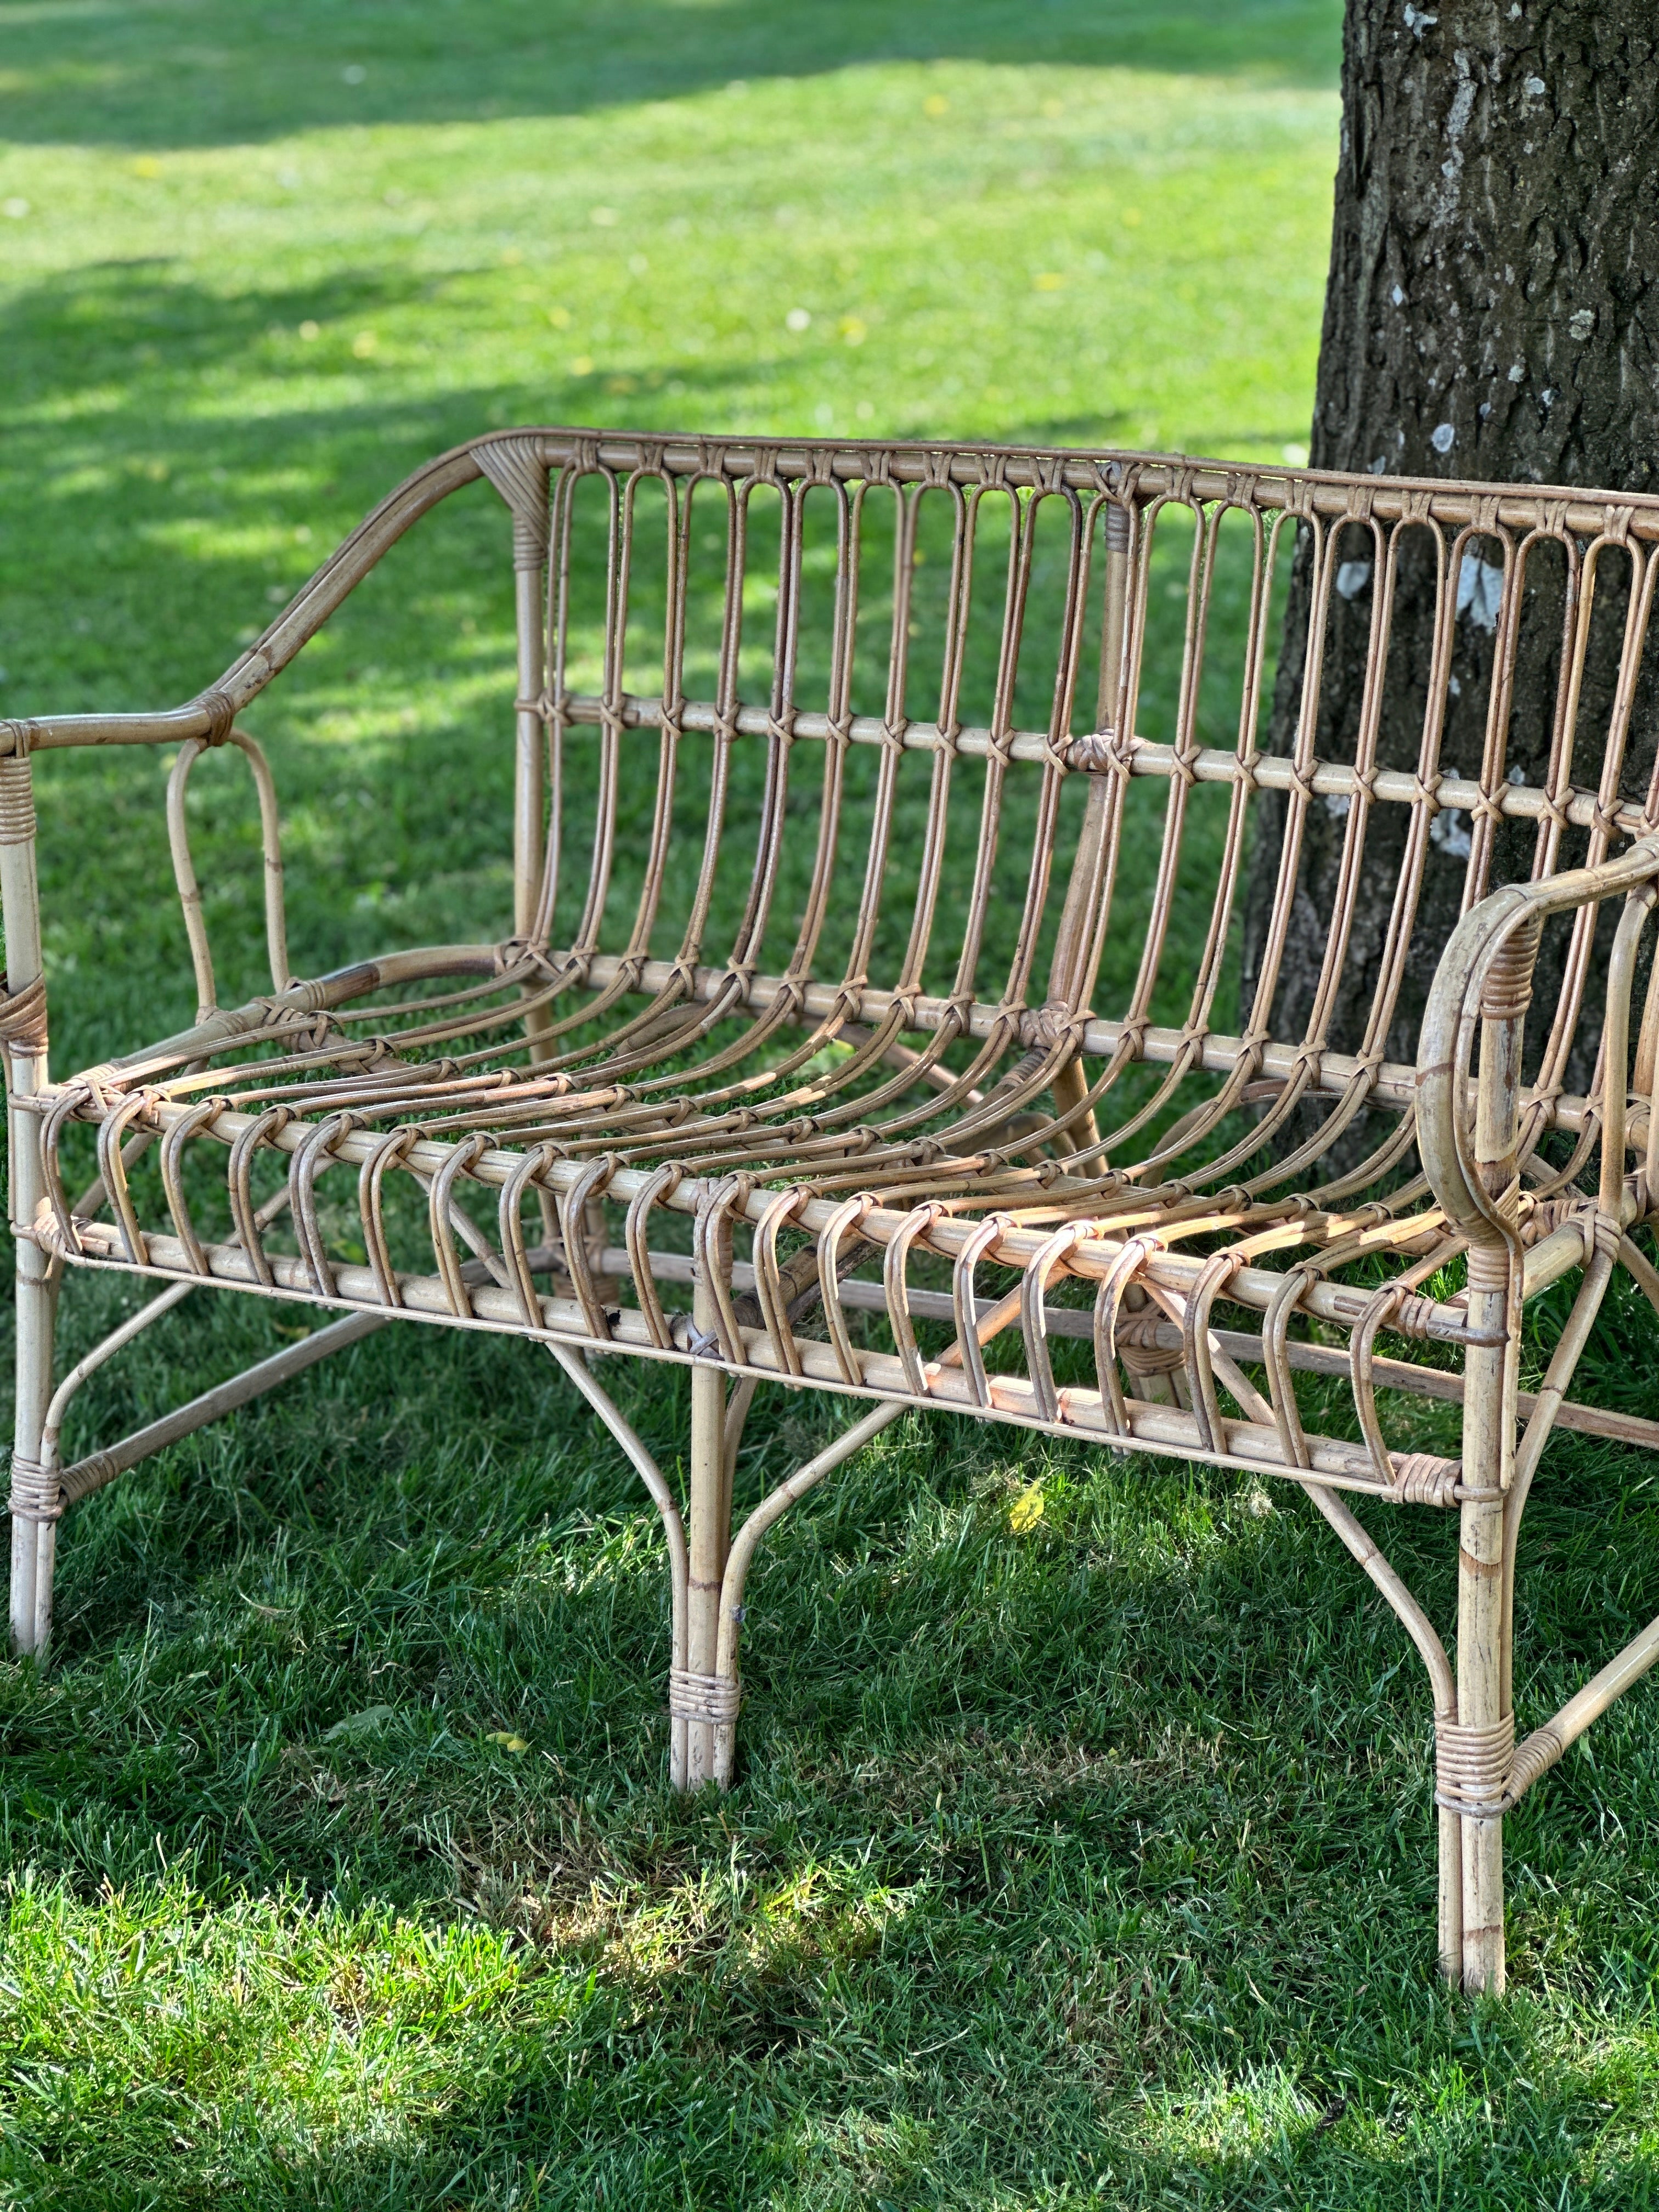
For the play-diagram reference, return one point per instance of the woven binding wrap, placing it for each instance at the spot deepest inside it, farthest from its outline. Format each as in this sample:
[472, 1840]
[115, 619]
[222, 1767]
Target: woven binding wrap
[1601, 1232]
[1420, 1478]
[1488, 1266]
[516, 467]
[1413, 1316]
[1473, 1767]
[23, 1016]
[86, 1475]
[36, 1495]
[1535, 1755]
[1507, 992]
[714, 1698]
[17, 800]
[1138, 1346]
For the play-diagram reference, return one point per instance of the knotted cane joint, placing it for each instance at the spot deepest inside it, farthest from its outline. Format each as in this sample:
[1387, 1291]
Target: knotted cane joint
[1472, 1768]
[1421, 1479]
[1484, 1773]
[37, 1494]
[714, 1698]
[1138, 1346]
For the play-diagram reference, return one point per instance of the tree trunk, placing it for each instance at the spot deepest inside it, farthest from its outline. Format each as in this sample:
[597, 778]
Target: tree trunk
[1493, 313]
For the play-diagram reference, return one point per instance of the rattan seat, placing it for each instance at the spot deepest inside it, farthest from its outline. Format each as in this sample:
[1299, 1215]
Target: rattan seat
[839, 1039]
[299, 1077]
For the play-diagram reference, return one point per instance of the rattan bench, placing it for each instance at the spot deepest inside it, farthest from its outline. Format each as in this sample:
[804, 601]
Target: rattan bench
[869, 1018]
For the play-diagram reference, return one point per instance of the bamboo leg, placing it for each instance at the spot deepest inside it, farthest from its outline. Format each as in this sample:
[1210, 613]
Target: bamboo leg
[1432, 1653]
[34, 1501]
[724, 1667]
[1448, 1922]
[1485, 1563]
[737, 1420]
[34, 1516]
[673, 1529]
[702, 1693]
[1479, 1706]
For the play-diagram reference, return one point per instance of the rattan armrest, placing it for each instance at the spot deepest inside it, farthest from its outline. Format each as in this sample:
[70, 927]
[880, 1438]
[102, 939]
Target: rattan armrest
[210, 713]
[1485, 977]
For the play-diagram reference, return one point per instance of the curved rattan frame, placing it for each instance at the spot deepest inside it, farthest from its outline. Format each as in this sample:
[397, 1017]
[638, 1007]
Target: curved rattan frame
[834, 1140]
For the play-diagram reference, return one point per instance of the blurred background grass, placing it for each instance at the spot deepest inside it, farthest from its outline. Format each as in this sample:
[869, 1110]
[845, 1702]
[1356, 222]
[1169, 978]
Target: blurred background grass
[1089, 1865]
[257, 265]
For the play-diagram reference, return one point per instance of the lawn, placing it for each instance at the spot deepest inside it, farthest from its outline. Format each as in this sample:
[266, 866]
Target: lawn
[1091, 1863]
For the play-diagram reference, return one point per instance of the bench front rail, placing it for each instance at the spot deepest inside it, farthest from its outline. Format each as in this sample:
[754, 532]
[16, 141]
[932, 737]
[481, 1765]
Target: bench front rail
[871, 1017]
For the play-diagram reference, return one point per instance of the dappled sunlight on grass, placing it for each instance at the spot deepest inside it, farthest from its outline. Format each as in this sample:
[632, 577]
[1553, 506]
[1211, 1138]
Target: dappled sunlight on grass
[1063, 1825]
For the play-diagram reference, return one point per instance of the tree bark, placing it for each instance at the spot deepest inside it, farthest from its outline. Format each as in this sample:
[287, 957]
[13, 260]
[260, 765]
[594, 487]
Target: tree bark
[1493, 313]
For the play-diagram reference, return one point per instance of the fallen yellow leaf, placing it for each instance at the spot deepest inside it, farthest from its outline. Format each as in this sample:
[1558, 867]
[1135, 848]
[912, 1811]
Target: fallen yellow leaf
[1026, 1511]
[506, 1741]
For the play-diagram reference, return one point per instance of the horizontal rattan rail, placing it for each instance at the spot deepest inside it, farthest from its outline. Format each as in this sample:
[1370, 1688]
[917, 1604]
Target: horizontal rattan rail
[870, 1015]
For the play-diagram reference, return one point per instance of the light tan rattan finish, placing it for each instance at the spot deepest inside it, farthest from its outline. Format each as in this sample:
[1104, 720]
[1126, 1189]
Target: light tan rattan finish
[772, 1166]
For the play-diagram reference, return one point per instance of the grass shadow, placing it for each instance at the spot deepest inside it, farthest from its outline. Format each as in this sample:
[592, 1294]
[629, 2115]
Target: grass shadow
[171, 75]
[1118, 1780]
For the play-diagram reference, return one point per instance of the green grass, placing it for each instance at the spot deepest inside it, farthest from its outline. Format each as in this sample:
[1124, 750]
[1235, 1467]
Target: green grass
[1088, 1865]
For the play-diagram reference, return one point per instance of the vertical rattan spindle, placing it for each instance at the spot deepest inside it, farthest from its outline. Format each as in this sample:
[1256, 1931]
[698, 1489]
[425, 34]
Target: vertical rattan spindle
[1071, 939]
[516, 468]
[530, 528]
[528, 796]
[519, 473]
[1485, 1722]
[34, 1513]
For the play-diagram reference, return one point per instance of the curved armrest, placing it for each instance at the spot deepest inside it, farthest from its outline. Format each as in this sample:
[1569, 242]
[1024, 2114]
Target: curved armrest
[1484, 976]
[210, 714]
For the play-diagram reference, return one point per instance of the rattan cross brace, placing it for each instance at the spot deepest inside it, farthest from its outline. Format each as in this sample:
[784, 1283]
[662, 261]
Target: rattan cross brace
[867, 1019]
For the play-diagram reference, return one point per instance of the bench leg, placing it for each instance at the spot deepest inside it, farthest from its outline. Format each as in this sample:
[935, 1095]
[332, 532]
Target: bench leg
[1450, 1920]
[1483, 1707]
[1480, 1755]
[34, 1516]
[705, 1699]
[1480, 1698]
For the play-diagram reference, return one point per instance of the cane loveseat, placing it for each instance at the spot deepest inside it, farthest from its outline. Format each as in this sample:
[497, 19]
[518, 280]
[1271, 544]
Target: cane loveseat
[869, 1018]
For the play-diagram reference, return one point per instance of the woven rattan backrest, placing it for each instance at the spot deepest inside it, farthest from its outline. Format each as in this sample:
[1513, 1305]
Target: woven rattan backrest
[986, 624]
[987, 738]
